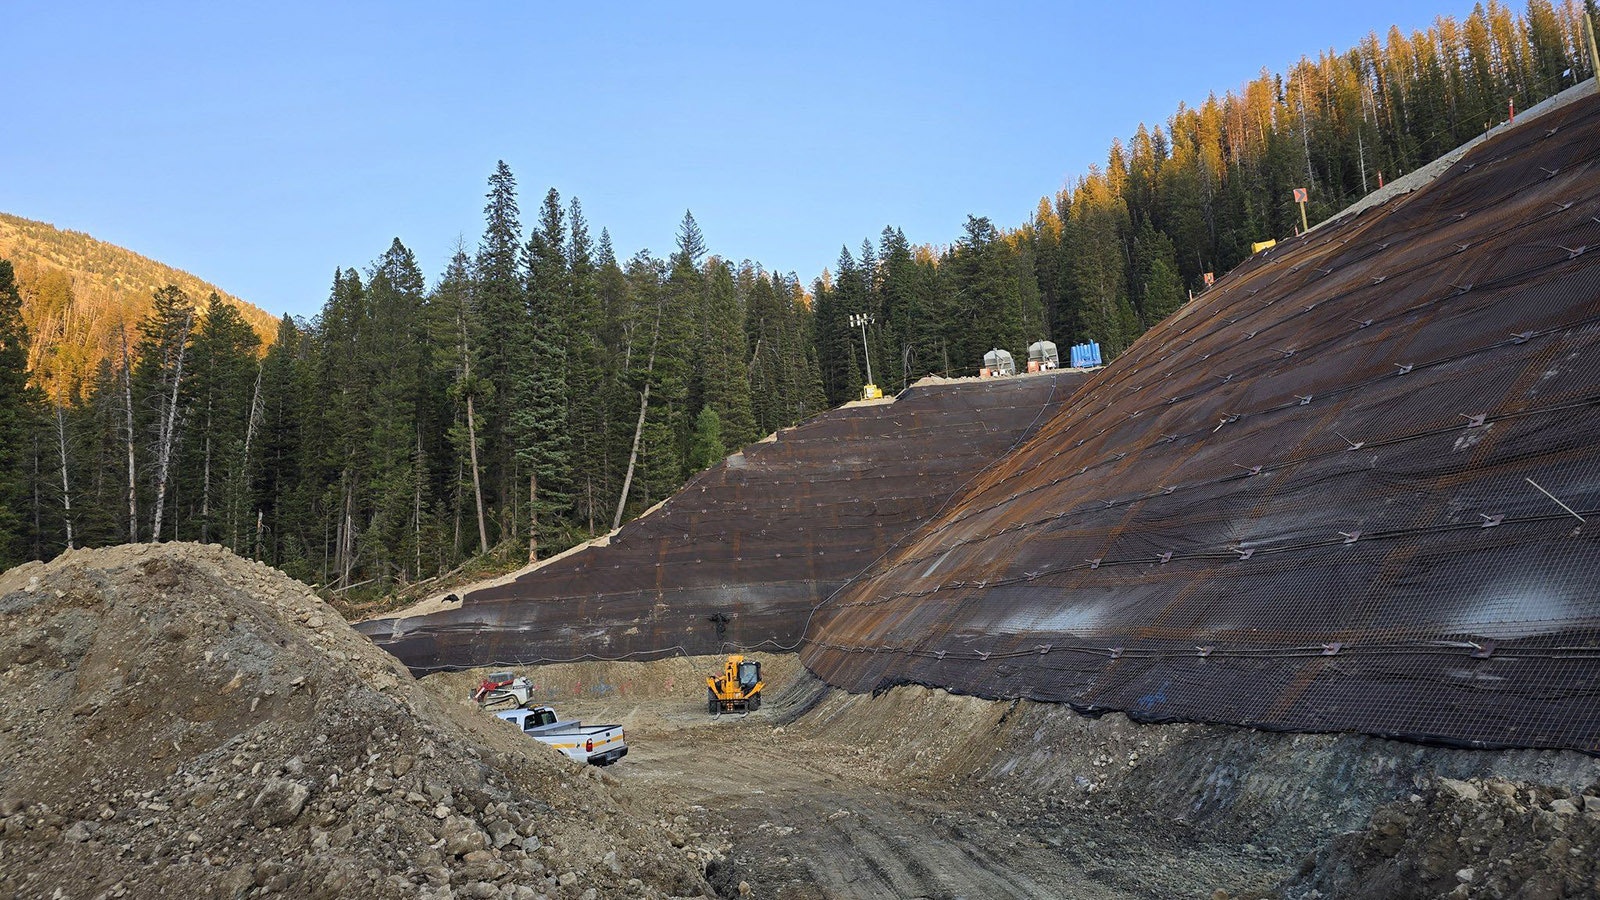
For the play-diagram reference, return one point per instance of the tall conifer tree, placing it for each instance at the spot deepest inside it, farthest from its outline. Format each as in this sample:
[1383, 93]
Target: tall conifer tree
[18, 405]
[540, 430]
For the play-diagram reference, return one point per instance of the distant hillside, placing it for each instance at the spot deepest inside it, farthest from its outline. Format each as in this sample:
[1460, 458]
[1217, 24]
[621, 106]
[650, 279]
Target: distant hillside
[78, 292]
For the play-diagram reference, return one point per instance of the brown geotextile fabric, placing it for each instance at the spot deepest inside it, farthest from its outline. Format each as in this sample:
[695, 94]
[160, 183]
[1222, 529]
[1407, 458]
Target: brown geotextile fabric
[1315, 499]
[743, 553]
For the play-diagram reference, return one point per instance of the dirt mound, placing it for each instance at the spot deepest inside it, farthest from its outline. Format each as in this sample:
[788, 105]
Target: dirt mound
[620, 684]
[176, 720]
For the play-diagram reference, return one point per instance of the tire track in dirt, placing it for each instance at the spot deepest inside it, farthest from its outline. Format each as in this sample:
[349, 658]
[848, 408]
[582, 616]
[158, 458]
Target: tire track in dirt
[804, 823]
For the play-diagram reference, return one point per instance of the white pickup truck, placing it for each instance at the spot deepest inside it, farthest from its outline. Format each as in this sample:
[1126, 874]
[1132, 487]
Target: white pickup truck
[599, 745]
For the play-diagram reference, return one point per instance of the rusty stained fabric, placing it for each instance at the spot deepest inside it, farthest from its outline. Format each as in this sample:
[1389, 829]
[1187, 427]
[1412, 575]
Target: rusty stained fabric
[758, 540]
[1314, 499]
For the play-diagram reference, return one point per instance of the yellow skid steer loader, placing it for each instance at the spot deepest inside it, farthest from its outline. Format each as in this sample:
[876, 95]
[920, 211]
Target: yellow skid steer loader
[737, 690]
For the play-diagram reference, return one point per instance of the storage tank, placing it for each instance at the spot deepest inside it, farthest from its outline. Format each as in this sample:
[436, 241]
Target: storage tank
[1042, 356]
[999, 362]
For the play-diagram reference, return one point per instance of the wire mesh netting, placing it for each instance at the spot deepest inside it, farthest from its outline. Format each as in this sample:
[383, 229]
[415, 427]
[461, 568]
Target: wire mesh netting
[1345, 489]
[749, 547]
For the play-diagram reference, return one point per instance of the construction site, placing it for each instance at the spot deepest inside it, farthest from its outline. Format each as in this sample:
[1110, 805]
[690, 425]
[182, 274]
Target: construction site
[1295, 598]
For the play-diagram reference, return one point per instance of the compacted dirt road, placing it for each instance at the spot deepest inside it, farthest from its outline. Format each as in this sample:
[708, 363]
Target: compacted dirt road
[797, 818]
[799, 823]
[790, 805]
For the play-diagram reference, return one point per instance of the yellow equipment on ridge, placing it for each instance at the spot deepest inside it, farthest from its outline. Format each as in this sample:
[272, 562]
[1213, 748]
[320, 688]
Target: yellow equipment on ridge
[737, 690]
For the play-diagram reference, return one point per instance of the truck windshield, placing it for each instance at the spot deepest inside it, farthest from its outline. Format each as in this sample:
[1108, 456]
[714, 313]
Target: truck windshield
[749, 674]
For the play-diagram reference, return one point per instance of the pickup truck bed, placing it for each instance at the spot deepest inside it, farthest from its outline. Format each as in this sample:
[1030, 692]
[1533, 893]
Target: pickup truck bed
[599, 745]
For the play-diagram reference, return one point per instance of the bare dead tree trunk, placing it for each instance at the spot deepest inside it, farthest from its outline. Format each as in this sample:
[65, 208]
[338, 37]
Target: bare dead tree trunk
[349, 541]
[455, 535]
[638, 430]
[66, 488]
[127, 405]
[417, 504]
[477, 484]
[244, 470]
[472, 430]
[168, 432]
[38, 528]
[533, 517]
[345, 547]
[205, 488]
[259, 548]
[633, 456]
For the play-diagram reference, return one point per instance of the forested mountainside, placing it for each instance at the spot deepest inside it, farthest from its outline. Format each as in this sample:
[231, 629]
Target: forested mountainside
[80, 294]
[543, 389]
[1117, 249]
[538, 392]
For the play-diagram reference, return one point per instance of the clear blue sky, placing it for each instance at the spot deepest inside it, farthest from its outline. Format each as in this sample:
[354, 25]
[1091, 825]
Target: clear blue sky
[259, 146]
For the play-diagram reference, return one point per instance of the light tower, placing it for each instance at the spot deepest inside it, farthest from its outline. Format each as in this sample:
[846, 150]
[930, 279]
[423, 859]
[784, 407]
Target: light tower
[869, 391]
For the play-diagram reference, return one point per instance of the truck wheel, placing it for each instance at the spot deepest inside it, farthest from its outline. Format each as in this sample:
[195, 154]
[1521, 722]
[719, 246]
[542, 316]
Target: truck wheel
[755, 702]
[711, 701]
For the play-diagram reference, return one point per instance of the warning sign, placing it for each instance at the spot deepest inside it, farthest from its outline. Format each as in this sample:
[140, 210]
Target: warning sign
[1301, 195]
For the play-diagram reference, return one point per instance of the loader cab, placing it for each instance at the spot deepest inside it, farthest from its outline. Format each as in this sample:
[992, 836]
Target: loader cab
[749, 674]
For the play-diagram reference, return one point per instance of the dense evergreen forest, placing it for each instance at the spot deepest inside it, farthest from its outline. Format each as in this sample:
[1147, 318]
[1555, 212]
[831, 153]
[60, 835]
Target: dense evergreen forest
[541, 390]
[80, 294]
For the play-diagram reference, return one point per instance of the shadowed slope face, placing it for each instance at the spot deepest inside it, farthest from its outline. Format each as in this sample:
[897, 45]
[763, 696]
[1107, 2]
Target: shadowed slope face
[1308, 501]
[745, 551]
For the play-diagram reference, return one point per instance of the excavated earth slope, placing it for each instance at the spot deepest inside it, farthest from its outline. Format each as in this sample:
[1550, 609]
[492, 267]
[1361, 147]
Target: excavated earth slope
[745, 551]
[1340, 491]
[177, 721]
[916, 792]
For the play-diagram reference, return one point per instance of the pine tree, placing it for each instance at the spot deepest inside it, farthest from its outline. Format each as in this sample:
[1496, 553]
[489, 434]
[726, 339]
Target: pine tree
[586, 368]
[838, 349]
[342, 423]
[539, 386]
[161, 385]
[1547, 58]
[393, 349]
[706, 449]
[18, 407]
[723, 364]
[617, 334]
[988, 297]
[1101, 217]
[640, 323]
[1157, 290]
[501, 325]
[224, 384]
[281, 522]
[669, 424]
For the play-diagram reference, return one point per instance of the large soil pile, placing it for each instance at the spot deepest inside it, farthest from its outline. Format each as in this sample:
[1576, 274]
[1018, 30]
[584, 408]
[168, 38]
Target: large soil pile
[175, 720]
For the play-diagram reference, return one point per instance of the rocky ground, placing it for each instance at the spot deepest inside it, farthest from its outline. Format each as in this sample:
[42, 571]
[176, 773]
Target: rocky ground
[176, 721]
[1484, 837]
[918, 793]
